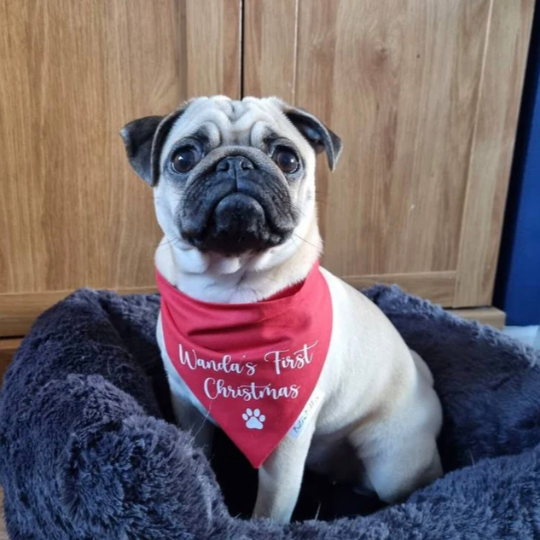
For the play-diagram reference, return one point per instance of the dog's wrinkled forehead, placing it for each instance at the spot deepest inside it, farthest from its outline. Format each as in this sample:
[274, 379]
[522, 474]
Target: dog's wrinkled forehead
[223, 122]
[227, 122]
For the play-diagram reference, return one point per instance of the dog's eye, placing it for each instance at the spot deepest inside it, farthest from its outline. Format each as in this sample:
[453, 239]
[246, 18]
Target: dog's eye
[286, 159]
[185, 158]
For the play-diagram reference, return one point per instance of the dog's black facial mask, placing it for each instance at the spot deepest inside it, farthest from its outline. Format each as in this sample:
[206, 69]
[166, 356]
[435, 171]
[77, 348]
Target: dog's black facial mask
[233, 199]
[236, 201]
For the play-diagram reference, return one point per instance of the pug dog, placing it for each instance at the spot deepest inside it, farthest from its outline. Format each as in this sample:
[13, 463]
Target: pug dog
[234, 193]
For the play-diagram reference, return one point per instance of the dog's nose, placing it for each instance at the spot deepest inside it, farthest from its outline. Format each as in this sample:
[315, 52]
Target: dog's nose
[235, 163]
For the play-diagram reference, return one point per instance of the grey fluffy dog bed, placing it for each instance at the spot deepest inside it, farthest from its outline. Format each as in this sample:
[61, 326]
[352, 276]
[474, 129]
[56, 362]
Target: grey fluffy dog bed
[88, 450]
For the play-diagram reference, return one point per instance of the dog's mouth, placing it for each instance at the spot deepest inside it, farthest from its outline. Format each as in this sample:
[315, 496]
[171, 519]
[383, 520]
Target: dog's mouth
[235, 214]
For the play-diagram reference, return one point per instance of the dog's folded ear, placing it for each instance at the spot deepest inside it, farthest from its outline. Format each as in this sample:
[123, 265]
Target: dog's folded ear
[317, 134]
[143, 139]
[138, 137]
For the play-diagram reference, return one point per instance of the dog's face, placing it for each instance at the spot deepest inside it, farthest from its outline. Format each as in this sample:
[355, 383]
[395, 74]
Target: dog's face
[231, 177]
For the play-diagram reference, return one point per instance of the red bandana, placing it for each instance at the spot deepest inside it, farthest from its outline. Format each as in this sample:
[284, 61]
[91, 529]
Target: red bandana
[252, 366]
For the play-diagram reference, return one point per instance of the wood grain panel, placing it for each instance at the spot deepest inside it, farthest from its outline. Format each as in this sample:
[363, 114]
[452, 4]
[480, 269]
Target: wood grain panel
[401, 90]
[8, 347]
[73, 73]
[72, 213]
[213, 37]
[491, 157]
[404, 85]
[435, 286]
[3, 529]
[270, 48]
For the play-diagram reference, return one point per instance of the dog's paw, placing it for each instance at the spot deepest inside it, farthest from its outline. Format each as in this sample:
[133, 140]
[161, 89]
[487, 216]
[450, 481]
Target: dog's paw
[254, 419]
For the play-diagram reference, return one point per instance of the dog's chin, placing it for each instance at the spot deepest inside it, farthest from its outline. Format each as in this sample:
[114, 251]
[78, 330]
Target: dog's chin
[238, 225]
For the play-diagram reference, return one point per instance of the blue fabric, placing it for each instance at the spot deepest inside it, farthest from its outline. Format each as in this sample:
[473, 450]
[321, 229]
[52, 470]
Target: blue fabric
[518, 281]
[86, 451]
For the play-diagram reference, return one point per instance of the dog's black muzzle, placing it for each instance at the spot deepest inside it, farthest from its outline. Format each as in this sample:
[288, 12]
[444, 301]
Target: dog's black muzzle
[236, 206]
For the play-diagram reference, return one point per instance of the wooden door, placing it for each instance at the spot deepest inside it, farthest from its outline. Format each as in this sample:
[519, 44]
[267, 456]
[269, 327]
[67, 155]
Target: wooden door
[72, 213]
[425, 94]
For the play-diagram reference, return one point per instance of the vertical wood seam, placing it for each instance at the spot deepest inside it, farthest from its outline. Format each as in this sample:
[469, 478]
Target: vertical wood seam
[241, 46]
[182, 45]
[471, 153]
[295, 51]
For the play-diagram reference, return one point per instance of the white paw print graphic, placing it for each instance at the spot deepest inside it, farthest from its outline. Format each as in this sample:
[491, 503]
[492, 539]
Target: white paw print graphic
[254, 419]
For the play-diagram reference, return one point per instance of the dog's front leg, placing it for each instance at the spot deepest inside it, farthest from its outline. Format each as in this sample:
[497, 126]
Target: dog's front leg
[280, 478]
[190, 419]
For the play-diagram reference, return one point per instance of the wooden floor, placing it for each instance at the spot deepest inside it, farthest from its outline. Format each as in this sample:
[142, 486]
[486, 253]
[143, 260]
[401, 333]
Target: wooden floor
[3, 532]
